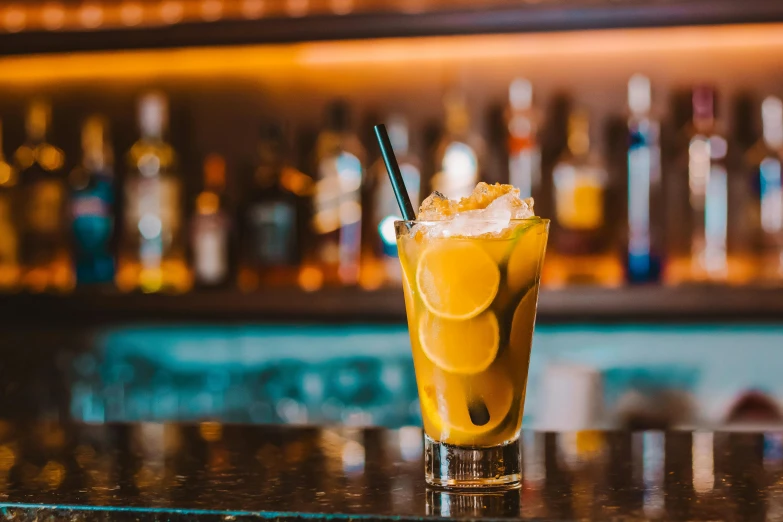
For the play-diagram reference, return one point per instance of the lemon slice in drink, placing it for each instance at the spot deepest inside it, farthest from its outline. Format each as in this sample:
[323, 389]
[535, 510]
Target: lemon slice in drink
[447, 407]
[457, 279]
[525, 260]
[465, 347]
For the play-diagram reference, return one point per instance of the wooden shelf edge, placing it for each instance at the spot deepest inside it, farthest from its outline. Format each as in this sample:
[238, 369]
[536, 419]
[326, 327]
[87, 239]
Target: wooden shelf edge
[579, 305]
[566, 15]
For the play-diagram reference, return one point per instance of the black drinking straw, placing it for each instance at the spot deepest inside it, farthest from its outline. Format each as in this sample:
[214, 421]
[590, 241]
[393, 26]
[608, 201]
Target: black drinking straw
[395, 176]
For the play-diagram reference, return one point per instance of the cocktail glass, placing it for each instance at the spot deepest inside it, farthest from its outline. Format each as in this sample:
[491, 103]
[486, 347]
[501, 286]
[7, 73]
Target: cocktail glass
[471, 306]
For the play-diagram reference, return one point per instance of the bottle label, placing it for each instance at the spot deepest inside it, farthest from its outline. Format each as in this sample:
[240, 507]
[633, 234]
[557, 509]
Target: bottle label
[716, 220]
[643, 173]
[771, 196]
[210, 249]
[44, 206]
[273, 233]
[579, 198]
[152, 206]
[92, 223]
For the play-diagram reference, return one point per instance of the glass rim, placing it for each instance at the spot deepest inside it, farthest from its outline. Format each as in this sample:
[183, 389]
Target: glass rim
[433, 222]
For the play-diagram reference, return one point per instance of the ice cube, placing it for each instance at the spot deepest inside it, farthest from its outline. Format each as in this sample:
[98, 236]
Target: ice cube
[518, 208]
[436, 207]
[487, 212]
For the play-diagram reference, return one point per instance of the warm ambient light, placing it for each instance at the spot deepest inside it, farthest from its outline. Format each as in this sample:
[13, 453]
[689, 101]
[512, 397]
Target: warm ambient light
[171, 11]
[53, 16]
[91, 15]
[211, 10]
[306, 58]
[14, 19]
[131, 13]
[253, 9]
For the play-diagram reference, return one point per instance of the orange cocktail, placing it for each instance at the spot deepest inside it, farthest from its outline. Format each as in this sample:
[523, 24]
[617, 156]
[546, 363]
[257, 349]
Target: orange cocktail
[471, 287]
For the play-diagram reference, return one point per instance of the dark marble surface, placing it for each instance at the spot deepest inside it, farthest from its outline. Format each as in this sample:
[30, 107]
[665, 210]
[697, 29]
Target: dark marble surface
[50, 471]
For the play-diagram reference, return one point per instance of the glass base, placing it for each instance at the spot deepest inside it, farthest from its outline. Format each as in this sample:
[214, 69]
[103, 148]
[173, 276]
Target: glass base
[450, 466]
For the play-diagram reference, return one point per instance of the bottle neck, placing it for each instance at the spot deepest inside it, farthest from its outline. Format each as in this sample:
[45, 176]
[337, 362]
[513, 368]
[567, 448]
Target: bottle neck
[37, 123]
[214, 174]
[96, 156]
[578, 134]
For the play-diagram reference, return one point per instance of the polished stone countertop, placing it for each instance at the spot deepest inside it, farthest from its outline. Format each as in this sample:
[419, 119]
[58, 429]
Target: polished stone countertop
[209, 471]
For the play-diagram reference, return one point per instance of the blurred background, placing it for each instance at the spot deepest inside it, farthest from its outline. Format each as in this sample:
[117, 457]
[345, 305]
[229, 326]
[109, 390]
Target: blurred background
[195, 224]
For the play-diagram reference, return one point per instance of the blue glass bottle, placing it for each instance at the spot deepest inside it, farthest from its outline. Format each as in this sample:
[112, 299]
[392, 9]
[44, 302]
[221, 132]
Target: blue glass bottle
[92, 205]
[643, 259]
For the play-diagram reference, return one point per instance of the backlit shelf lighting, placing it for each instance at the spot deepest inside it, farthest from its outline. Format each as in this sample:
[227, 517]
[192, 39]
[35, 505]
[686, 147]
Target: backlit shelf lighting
[748, 42]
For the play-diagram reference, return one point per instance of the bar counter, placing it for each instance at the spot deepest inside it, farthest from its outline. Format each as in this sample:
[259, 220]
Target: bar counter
[209, 471]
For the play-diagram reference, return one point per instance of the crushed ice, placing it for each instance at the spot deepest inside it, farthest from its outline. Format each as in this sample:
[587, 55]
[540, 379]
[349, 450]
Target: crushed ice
[488, 211]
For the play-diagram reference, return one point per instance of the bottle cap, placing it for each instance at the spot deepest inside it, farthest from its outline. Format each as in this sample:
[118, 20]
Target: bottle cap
[639, 94]
[153, 113]
[772, 121]
[520, 94]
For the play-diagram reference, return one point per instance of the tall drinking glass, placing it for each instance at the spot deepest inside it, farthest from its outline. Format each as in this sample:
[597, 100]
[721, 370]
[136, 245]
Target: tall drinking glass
[471, 306]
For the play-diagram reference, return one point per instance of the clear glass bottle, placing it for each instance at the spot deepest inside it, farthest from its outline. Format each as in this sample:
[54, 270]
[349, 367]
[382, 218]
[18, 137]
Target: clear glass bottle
[152, 255]
[524, 153]
[767, 205]
[44, 248]
[273, 217]
[645, 212]
[10, 269]
[211, 228]
[708, 191]
[337, 205]
[385, 210]
[92, 206]
[458, 155]
[583, 249]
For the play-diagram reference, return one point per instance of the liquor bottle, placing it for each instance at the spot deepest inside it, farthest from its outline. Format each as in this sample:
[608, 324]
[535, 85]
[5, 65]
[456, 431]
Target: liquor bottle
[274, 216]
[458, 153]
[9, 237]
[582, 245]
[152, 252]
[767, 204]
[643, 261]
[524, 154]
[337, 212]
[211, 228]
[92, 206]
[384, 204]
[708, 191]
[44, 253]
